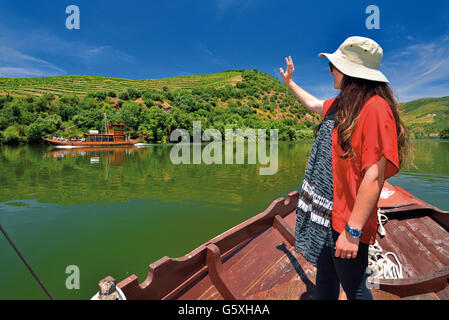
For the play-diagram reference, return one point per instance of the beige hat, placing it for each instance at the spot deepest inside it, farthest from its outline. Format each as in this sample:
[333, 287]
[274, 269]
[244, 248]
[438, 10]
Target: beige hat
[358, 57]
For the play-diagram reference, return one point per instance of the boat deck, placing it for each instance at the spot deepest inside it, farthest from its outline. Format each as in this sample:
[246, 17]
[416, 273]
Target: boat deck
[274, 270]
[256, 260]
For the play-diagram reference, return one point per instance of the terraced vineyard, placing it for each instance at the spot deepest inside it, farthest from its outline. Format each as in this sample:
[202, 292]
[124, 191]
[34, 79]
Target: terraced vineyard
[81, 85]
[31, 108]
[70, 106]
[427, 117]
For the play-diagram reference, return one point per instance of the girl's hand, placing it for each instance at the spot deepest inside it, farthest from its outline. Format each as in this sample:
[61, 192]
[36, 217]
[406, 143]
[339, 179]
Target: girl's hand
[287, 75]
[346, 247]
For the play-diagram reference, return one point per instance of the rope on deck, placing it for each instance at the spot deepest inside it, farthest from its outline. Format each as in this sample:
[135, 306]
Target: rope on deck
[379, 265]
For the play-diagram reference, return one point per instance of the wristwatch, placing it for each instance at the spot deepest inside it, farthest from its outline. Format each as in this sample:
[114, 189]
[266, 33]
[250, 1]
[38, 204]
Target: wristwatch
[353, 232]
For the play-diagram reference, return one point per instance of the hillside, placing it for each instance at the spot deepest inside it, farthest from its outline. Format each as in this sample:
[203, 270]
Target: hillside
[82, 85]
[426, 117]
[71, 105]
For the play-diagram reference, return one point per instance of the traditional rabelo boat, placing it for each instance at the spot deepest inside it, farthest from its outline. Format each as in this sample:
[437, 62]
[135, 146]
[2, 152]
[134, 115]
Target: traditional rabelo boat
[114, 136]
[256, 260]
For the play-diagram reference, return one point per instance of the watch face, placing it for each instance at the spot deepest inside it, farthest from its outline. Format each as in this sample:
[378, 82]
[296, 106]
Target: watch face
[354, 233]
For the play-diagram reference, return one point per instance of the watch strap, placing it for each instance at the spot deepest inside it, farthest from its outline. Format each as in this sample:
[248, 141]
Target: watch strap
[353, 232]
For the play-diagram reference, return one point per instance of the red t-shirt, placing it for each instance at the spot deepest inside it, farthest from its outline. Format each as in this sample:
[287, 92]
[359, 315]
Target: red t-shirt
[375, 135]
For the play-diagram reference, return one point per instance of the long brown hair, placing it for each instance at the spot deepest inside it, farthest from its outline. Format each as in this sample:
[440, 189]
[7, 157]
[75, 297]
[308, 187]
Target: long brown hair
[349, 103]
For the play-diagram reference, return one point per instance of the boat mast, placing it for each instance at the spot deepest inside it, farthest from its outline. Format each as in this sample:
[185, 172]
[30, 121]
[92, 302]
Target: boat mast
[105, 124]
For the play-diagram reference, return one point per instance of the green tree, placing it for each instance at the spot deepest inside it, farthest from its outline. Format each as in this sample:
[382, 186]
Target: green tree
[444, 134]
[4, 100]
[129, 114]
[14, 134]
[70, 99]
[153, 124]
[123, 95]
[43, 127]
[43, 103]
[133, 94]
[148, 102]
[66, 111]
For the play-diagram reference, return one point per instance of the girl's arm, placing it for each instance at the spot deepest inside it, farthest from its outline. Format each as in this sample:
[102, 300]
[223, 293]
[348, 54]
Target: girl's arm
[308, 100]
[368, 194]
[367, 197]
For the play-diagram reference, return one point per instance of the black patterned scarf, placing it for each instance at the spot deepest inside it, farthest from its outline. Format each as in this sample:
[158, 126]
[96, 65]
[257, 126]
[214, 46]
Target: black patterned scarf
[314, 208]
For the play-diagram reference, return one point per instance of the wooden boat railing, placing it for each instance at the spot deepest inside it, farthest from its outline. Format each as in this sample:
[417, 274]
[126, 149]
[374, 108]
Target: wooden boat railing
[172, 278]
[416, 285]
[166, 274]
[419, 284]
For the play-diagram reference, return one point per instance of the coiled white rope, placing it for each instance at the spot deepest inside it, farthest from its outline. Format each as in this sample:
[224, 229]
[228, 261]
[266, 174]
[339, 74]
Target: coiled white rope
[379, 265]
[381, 219]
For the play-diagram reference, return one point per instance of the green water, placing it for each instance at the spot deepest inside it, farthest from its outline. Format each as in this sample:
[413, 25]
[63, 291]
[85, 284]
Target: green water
[115, 211]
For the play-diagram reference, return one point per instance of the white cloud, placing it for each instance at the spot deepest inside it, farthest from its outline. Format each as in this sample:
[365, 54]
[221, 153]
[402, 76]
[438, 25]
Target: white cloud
[14, 63]
[11, 72]
[19, 54]
[419, 70]
[49, 44]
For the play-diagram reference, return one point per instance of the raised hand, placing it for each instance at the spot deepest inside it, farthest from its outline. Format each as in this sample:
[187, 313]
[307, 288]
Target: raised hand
[287, 75]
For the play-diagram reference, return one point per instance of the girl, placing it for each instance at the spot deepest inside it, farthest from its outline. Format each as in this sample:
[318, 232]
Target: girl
[360, 143]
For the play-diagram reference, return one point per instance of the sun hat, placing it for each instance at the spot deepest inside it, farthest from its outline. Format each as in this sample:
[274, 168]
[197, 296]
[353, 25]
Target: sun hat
[358, 57]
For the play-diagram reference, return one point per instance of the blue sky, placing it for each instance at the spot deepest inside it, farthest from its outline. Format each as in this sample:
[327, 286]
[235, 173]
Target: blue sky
[158, 39]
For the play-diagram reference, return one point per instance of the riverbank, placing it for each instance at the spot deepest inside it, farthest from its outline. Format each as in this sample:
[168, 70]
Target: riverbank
[230, 99]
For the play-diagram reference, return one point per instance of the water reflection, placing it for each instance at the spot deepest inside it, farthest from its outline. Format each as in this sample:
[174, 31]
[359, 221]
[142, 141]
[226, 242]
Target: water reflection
[69, 176]
[111, 154]
[135, 206]
[104, 175]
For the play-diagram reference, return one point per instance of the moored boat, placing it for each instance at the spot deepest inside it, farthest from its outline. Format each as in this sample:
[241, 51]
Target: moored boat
[114, 135]
[256, 260]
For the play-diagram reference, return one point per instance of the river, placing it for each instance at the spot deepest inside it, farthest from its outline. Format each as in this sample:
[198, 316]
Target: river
[114, 211]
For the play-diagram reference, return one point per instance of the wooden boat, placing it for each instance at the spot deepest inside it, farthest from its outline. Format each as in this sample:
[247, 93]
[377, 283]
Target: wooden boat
[256, 260]
[114, 136]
